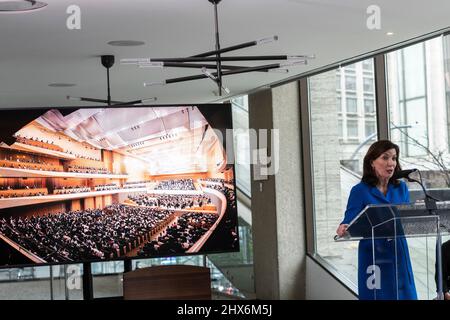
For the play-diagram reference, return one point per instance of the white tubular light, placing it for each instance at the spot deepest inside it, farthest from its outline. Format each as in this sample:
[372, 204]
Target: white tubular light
[135, 61]
[301, 57]
[151, 65]
[266, 40]
[149, 100]
[73, 98]
[208, 74]
[278, 70]
[149, 84]
[291, 63]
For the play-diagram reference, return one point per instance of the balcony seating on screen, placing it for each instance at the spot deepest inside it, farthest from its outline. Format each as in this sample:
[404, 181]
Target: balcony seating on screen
[181, 184]
[170, 201]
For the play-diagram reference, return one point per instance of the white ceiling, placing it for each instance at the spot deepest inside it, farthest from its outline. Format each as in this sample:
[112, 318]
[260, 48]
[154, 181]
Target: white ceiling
[37, 49]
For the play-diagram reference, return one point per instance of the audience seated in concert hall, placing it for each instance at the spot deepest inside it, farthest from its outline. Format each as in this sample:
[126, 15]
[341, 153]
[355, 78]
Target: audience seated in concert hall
[27, 163]
[50, 145]
[106, 187]
[39, 142]
[69, 190]
[217, 180]
[170, 201]
[226, 236]
[181, 235]
[22, 191]
[92, 234]
[136, 184]
[229, 194]
[85, 169]
[182, 184]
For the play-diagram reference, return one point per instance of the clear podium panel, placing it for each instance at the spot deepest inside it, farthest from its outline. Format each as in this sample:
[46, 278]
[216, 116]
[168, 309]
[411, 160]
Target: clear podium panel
[386, 233]
[390, 221]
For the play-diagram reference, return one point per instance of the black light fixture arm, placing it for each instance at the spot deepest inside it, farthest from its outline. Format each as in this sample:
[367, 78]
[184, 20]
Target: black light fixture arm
[218, 62]
[108, 62]
[234, 58]
[199, 66]
[91, 100]
[109, 88]
[224, 73]
[227, 49]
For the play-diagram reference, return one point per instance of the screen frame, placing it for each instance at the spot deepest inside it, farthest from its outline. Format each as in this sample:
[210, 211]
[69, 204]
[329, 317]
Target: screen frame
[228, 105]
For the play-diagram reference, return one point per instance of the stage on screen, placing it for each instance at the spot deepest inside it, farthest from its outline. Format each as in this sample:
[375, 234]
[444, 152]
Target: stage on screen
[97, 184]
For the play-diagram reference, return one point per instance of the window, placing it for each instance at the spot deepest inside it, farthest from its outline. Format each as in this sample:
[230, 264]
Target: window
[416, 97]
[407, 99]
[339, 103]
[350, 83]
[338, 146]
[446, 43]
[352, 105]
[367, 65]
[370, 129]
[241, 143]
[369, 105]
[350, 67]
[368, 85]
[352, 128]
[107, 279]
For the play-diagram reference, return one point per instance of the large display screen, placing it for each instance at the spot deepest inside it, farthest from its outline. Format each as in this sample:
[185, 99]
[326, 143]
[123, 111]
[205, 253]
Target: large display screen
[96, 184]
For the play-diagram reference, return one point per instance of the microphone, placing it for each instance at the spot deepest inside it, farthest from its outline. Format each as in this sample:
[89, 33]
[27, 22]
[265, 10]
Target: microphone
[403, 174]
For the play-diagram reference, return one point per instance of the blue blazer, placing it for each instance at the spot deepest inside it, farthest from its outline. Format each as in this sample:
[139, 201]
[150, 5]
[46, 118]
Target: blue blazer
[362, 195]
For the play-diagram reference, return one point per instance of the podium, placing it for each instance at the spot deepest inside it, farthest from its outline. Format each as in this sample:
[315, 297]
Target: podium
[383, 230]
[171, 282]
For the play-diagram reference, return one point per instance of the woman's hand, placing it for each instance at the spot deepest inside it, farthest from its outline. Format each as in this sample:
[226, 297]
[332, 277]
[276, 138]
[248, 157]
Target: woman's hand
[341, 230]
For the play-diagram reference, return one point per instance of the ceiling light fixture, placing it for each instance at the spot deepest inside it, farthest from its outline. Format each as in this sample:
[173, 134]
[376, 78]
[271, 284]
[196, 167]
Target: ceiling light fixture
[126, 43]
[216, 60]
[108, 62]
[61, 85]
[20, 5]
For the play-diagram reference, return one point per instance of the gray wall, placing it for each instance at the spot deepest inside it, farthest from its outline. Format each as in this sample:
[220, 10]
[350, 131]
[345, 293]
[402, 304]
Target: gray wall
[320, 285]
[264, 220]
[277, 210]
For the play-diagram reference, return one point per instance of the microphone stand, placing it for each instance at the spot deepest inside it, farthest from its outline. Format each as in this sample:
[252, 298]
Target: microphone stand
[431, 206]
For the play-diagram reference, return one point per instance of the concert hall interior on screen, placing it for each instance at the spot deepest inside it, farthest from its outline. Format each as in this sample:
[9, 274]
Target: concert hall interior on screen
[96, 184]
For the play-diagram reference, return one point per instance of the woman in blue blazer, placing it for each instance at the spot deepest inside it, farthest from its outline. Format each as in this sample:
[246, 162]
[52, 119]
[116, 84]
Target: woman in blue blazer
[378, 187]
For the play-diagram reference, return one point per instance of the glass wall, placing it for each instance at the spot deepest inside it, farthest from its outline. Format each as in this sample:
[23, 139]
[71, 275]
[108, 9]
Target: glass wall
[59, 282]
[237, 267]
[343, 125]
[241, 143]
[107, 279]
[418, 107]
[25, 283]
[343, 121]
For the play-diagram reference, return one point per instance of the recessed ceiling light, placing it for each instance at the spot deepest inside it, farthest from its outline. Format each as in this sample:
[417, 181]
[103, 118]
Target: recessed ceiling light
[389, 33]
[126, 43]
[62, 85]
[20, 5]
